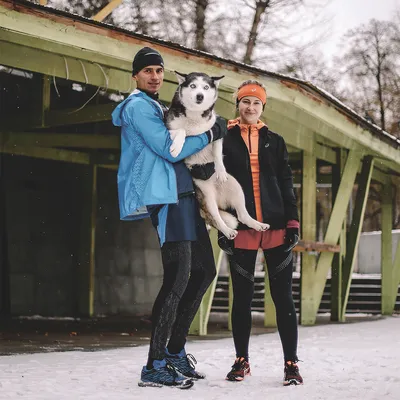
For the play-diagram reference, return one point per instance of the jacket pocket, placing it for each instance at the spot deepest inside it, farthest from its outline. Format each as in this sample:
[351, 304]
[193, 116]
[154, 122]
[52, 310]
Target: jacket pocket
[271, 198]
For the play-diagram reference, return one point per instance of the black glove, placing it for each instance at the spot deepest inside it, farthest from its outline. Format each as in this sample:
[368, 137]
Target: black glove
[291, 238]
[225, 244]
[218, 131]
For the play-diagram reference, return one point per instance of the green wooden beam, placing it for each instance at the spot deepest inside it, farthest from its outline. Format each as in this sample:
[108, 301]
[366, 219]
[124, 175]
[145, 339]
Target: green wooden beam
[200, 322]
[74, 140]
[66, 67]
[337, 265]
[86, 264]
[308, 232]
[396, 275]
[355, 230]
[269, 306]
[45, 97]
[107, 10]
[47, 154]
[299, 137]
[386, 249]
[337, 127]
[54, 118]
[54, 154]
[335, 224]
[380, 175]
[89, 114]
[24, 30]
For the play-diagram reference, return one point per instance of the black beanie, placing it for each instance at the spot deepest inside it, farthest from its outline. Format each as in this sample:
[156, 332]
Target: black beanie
[145, 57]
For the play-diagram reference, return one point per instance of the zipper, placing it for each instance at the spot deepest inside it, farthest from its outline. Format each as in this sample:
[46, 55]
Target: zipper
[249, 169]
[250, 139]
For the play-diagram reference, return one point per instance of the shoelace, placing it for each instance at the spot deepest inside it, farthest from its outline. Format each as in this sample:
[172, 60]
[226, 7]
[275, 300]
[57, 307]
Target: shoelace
[191, 360]
[172, 370]
[238, 364]
[292, 368]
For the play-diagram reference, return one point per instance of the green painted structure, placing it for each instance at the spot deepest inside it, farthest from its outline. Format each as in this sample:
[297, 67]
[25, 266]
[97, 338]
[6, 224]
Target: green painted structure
[318, 129]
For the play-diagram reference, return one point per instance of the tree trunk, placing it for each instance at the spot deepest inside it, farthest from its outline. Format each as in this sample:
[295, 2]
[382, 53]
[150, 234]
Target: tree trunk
[261, 6]
[201, 6]
[142, 25]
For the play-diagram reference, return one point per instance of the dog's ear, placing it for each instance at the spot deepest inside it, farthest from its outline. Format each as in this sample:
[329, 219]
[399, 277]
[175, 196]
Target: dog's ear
[181, 77]
[217, 79]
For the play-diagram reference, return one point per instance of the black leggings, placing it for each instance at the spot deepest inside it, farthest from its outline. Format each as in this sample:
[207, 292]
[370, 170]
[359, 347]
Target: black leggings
[189, 269]
[280, 268]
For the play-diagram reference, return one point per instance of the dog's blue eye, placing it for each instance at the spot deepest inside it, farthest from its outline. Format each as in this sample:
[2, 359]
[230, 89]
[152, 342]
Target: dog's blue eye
[206, 87]
[193, 86]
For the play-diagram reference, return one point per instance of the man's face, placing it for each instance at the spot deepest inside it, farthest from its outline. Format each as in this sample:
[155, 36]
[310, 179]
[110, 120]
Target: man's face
[150, 78]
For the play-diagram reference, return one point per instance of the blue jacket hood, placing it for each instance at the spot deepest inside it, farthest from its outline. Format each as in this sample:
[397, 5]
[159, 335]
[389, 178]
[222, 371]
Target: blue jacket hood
[117, 113]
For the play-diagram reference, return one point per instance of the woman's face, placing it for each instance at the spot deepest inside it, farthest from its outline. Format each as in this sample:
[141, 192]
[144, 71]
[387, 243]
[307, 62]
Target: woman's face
[250, 109]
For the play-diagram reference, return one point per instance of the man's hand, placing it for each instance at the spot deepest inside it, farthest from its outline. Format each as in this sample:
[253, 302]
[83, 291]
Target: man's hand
[218, 131]
[291, 238]
[178, 137]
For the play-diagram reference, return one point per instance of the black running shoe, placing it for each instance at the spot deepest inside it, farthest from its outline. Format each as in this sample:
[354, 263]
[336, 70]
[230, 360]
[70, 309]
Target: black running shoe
[185, 364]
[239, 370]
[292, 375]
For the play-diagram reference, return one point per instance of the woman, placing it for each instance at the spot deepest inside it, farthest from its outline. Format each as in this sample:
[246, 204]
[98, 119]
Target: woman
[258, 159]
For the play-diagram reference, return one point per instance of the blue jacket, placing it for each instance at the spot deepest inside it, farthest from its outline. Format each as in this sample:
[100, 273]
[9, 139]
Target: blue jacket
[146, 175]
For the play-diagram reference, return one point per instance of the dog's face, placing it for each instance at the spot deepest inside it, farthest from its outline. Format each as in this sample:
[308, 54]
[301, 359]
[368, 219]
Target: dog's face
[198, 91]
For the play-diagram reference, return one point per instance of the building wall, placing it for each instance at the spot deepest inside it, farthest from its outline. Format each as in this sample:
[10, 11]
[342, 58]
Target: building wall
[41, 219]
[128, 258]
[369, 252]
[44, 209]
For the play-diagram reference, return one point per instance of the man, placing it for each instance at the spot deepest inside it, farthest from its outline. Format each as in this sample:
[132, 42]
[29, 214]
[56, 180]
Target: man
[153, 183]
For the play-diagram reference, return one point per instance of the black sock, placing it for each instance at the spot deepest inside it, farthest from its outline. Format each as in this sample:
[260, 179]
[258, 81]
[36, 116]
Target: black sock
[150, 363]
[173, 349]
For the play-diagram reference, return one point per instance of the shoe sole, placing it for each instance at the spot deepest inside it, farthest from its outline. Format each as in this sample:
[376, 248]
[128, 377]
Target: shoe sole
[187, 384]
[291, 382]
[200, 377]
[238, 378]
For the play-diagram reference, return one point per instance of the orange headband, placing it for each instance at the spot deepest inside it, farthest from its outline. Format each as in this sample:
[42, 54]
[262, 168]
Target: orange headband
[252, 90]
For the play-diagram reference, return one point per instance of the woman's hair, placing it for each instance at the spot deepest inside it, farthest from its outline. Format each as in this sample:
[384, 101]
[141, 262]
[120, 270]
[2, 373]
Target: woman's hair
[248, 82]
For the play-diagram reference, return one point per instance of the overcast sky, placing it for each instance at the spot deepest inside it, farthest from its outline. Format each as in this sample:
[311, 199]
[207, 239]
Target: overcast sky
[348, 14]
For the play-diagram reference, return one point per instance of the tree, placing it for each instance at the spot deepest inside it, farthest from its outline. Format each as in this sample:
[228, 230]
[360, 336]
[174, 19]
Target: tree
[86, 8]
[371, 72]
[312, 67]
[279, 28]
[252, 31]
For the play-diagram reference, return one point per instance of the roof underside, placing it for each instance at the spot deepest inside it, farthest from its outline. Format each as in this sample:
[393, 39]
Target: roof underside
[54, 43]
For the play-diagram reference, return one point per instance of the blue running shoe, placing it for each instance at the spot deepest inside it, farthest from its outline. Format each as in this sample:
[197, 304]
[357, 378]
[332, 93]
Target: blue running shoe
[185, 364]
[163, 374]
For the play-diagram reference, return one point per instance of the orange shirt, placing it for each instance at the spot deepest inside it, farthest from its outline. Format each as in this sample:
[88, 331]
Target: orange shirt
[250, 136]
[250, 239]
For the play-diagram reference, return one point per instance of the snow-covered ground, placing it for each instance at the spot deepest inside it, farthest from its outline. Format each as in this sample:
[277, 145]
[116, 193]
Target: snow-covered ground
[355, 361]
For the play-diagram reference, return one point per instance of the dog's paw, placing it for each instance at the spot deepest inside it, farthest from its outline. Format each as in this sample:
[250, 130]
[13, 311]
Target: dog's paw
[230, 233]
[262, 227]
[174, 133]
[221, 174]
[176, 146]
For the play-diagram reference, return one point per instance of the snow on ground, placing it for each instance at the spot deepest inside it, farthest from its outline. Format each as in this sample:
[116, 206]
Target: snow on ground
[354, 361]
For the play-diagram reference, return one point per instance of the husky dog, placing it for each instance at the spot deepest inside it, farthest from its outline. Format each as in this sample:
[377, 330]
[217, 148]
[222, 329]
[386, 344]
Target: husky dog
[192, 113]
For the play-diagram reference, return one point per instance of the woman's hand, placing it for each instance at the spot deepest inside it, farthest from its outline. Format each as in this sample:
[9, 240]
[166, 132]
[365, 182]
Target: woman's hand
[291, 238]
